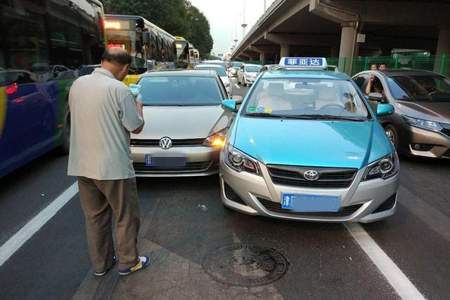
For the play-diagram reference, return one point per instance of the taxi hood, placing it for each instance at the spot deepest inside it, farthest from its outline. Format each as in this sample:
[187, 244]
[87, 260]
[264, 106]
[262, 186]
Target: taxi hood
[317, 143]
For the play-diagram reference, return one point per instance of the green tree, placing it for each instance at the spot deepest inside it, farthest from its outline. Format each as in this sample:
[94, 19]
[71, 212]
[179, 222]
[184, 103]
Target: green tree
[198, 32]
[178, 17]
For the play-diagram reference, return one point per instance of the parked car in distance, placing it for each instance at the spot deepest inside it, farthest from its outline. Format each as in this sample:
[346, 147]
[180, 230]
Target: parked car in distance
[185, 123]
[220, 71]
[420, 125]
[215, 62]
[234, 68]
[247, 74]
[269, 68]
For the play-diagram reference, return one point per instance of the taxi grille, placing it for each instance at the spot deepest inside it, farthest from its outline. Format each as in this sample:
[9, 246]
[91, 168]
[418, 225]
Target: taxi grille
[276, 207]
[175, 143]
[189, 167]
[328, 177]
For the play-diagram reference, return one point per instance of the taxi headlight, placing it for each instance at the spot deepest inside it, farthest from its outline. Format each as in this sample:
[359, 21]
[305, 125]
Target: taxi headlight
[216, 140]
[239, 161]
[424, 124]
[384, 168]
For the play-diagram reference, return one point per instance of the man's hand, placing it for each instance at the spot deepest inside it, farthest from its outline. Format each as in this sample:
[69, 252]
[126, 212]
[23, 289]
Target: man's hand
[140, 108]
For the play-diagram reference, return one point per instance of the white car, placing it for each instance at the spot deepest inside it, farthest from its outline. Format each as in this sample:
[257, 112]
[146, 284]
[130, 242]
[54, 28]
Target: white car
[220, 71]
[247, 74]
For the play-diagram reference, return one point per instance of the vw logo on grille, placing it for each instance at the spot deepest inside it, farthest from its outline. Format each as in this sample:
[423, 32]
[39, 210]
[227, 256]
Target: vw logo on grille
[165, 143]
[311, 175]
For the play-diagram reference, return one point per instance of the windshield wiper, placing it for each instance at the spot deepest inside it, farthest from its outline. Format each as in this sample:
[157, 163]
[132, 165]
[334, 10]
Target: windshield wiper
[329, 117]
[266, 115]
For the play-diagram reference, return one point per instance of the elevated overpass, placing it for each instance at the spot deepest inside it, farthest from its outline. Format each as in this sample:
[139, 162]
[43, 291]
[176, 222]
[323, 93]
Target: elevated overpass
[346, 29]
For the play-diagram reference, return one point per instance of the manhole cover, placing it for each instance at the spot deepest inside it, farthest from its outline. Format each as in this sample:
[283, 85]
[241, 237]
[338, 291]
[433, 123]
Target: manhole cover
[245, 265]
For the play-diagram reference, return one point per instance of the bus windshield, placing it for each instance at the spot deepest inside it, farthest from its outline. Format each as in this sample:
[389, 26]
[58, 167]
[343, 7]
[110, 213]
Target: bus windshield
[122, 34]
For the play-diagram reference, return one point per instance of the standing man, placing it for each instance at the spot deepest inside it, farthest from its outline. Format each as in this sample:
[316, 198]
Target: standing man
[103, 113]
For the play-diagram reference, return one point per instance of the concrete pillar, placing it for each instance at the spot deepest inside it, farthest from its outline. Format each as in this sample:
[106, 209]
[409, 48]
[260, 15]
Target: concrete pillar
[347, 48]
[284, 50]
[443, 47]
[262, 58]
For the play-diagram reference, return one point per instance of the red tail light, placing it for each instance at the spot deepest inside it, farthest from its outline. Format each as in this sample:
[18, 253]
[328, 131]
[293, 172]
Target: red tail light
[12, 89]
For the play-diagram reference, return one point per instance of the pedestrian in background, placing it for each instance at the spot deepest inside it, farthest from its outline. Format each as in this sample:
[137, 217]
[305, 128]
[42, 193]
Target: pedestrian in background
[103, 113]
[382, 67]
[373, 67]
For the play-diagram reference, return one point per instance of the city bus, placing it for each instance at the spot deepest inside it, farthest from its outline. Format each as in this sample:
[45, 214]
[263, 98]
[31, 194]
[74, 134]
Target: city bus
[148, 44]
[186, 56]
[43, 43]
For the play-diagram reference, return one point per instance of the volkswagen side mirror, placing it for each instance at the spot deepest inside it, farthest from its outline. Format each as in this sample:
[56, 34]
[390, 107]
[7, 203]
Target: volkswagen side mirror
[230, 104]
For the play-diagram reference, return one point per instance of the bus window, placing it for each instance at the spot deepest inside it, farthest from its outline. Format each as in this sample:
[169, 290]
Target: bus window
[45, 44]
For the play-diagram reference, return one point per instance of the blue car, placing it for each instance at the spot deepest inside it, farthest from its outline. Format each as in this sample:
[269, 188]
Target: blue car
[306, 145]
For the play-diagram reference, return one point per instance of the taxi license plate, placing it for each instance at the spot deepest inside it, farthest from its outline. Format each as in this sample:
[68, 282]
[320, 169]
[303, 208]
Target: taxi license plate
[164, 162]
[310, 203]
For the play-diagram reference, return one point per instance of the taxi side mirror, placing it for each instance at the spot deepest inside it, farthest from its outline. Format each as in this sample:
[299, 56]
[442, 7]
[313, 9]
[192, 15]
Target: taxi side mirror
[230, 104]
[384, 109]
[135, 89]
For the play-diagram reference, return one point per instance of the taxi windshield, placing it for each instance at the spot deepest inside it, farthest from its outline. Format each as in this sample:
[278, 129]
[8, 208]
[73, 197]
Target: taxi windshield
[179, 91]
[306, 98]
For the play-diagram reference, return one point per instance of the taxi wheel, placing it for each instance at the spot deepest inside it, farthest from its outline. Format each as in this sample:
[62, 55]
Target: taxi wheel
[392, 134]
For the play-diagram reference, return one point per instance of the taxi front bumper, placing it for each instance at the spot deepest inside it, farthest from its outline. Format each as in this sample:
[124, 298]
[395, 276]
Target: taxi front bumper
[363, 201]
[200, 161]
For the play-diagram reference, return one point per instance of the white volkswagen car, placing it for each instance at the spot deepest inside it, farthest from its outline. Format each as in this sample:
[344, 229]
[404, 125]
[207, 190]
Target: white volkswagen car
[185, 124]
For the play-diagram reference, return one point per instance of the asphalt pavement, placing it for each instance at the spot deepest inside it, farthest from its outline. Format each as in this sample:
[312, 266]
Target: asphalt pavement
[188, 235]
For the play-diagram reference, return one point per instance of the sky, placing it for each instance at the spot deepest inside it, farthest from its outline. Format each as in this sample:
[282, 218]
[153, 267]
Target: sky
[226, 16]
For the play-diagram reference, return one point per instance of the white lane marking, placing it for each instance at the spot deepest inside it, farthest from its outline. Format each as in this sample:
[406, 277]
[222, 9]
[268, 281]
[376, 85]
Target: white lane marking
[237, 86]
[26, 232]
[396, 278]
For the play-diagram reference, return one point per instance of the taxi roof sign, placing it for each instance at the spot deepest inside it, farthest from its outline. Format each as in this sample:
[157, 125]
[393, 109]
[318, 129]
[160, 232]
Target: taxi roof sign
[304, 63]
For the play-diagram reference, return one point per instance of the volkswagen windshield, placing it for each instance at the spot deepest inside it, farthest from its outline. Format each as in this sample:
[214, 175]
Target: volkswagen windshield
[301, 98]
[179, 91]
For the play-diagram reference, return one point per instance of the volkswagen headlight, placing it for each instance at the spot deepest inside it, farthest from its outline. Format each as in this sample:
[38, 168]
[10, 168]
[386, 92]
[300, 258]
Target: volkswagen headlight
[239, 161]
[216, 140]
[424, 124]
[384, 168]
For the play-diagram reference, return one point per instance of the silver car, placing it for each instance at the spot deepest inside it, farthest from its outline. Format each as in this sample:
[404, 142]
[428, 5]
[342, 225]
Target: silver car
[185, 124]
[247, 74]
